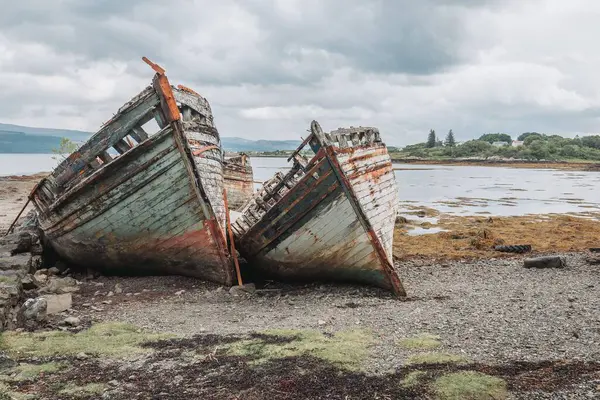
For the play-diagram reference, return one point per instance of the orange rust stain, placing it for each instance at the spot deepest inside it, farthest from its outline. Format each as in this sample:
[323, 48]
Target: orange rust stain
[349, 150]
[373, 173]
[376, 174]
[187, 89]
[165, 88]
[201, 150]
[193, 240]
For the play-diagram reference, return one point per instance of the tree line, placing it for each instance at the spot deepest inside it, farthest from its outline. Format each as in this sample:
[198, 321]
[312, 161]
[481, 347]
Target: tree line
[534, 146]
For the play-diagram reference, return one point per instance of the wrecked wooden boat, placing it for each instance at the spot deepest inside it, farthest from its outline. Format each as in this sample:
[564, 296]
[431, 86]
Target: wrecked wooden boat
[130, 201]
[239, 180]
[328, 218]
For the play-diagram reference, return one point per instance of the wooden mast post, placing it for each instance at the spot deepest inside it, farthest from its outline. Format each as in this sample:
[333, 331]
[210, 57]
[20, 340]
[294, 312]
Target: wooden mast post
[231, 242]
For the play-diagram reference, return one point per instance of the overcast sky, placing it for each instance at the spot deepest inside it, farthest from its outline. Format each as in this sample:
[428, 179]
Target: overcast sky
[268, 67]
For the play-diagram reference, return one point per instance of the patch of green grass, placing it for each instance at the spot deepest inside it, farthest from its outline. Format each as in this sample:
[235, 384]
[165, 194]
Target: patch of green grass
[346, 349]
[27, 372]
[7, 394]
[470, 385]
[422, 341]
[413, 379]
[82, 391]
[436, 358]
[8, 279]
[105, 339]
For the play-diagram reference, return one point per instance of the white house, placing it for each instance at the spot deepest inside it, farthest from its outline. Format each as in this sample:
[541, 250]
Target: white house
[499, 144]
[517, 143]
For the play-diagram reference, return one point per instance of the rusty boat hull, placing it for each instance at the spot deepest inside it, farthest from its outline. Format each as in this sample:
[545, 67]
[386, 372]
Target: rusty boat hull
[155, 207]
[239, 180]
[329, 218]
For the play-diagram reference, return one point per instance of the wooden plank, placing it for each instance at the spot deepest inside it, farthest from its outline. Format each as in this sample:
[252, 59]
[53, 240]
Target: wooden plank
[122, 146]
[105, 138]
[159, 118]
[105, 157]
[138, 133]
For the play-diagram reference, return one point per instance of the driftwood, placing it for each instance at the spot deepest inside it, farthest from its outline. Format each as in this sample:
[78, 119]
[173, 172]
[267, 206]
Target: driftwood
[545, 262]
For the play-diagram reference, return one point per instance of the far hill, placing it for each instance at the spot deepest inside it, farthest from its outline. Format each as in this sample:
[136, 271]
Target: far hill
[76, 136]
[239, 144]
[24, 139]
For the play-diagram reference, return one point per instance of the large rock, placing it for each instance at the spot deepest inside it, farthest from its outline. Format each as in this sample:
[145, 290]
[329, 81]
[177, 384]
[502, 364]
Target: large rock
[60, 285]
[58, 302]
[40, 279]
[18, 243]
[18, 262]
[33, 310]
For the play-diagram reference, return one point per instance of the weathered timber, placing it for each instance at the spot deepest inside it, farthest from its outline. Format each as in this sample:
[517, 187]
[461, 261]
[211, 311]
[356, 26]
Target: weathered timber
[239, 180]
[153, 208]
[331, 217]
[544, 262]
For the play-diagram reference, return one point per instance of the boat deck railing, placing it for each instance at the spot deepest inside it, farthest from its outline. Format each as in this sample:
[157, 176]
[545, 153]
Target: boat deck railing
[275, 188]
[128, 128]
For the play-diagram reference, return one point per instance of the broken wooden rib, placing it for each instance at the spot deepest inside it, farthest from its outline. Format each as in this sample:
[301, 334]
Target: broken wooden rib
[329, 218]
[154, 207]
[239, 180]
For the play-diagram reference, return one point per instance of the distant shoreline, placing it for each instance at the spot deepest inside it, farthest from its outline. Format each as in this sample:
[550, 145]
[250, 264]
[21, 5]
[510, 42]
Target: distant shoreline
[564, 165]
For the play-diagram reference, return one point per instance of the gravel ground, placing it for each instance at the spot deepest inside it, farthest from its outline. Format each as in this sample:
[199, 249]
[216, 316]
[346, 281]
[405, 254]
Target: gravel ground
[539, 330]
[488, 311]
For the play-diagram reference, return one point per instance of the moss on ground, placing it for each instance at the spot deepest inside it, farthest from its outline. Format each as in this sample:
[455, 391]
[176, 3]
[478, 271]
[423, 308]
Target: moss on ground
[470, 385]
[422, 341]
[9, 279]
[105, 339]
[82, 391]
[346, 349]
[436, 358]
[413, 379]
[7, 394]
[27, 372]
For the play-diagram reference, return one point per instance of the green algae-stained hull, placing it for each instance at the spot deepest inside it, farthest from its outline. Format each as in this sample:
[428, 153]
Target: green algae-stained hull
[157, 208]
[328, 219]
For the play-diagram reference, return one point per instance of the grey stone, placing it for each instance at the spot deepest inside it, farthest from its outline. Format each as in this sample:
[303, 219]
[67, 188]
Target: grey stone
[58, 302]
[40, 279]
[28, 282]
[118, 288]
[248, 288]
[53, 271]
[17, 243]
[72, 321]
[545, 262]
[34, 309]
[60, 285]
[17, 262]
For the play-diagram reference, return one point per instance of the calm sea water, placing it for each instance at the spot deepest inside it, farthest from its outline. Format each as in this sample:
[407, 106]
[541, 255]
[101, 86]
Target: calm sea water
[25, 164]
[453, 189]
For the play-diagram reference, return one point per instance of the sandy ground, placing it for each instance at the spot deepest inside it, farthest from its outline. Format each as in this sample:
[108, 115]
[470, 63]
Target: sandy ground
[13, 196]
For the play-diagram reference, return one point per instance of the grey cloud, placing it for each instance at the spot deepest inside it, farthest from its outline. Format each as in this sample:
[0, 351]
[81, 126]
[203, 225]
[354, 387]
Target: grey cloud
[269, 67]
[417, 37]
